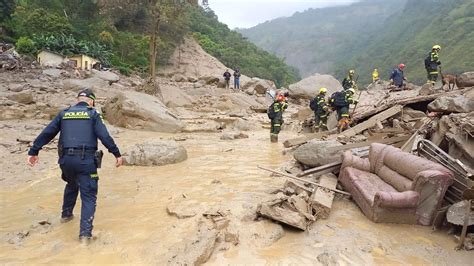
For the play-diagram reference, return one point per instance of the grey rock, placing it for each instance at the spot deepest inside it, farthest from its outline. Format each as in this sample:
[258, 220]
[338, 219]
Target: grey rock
[105, 75]
[309, 87]
[210, 80]
[465, 80]
[179, 77]
[16, 87]
[315, 153]
[155, 152]
[22, 97]
[457, 104]
[53, 72]
[137, 110]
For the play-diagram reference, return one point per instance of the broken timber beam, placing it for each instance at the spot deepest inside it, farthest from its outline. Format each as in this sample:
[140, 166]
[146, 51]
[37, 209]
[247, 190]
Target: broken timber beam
[303, 180]
[321, 199]
[372, 121]
[302, 140]
[407, 147]
[405, 101]
[327, 167]
[367, 143]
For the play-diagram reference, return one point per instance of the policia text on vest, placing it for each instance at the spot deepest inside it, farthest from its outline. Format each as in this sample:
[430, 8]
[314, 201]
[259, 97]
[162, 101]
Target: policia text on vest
[80, 126]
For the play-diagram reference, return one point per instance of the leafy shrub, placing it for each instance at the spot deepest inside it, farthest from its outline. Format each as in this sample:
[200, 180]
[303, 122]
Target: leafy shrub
[25, 45]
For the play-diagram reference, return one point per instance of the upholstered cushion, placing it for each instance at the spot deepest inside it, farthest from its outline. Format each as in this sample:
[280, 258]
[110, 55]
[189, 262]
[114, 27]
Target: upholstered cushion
[407, 199]
[367, 183]
[393, 178]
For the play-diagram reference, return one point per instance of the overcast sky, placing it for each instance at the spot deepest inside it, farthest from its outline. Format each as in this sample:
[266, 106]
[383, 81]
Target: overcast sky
[248, 13]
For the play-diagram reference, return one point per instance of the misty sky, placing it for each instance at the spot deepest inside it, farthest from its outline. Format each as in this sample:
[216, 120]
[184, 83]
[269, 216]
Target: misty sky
[248, 13]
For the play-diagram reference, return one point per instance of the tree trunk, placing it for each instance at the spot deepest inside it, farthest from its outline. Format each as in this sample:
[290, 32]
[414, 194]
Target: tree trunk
[154, 31]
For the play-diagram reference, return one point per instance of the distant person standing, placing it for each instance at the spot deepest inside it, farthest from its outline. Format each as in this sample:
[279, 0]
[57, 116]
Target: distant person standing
[397, 77]
[375, 76]
[431, 64]
[227, 76]
[349, 81]
[237, 79]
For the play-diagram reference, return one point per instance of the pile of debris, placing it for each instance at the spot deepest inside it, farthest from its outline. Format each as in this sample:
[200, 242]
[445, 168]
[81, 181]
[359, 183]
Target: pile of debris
[438, 125]
[301, 201]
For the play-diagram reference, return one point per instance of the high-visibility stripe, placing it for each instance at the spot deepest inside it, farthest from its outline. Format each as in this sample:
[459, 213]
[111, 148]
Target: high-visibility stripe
[435, 72]
[345, 115]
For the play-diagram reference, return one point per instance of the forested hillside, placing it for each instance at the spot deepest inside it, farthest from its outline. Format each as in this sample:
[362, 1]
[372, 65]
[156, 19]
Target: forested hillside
[411, 34]
[373, 34]
[123, 33]
[234, 51]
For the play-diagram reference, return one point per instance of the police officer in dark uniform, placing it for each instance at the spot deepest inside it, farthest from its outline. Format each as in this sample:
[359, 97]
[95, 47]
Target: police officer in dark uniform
[80, 125]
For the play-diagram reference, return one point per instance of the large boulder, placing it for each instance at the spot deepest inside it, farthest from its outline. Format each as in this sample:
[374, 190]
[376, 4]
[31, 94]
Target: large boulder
[465, 80]
[24, 97]
[140, 111]
[309, 87]
[210, 79]
[53, 72]
[257, 85]
[175, 97]
[106, 75]
[317, 153]
[155, 152]
[457, 104]
[77, 85]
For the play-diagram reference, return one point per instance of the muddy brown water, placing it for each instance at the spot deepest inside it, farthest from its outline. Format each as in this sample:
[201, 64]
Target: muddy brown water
[132, 225]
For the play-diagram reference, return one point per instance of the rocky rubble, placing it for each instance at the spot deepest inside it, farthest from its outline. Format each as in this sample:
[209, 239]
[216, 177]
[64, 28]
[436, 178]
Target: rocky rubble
[309, 87]
[140, 111]
[155, 152]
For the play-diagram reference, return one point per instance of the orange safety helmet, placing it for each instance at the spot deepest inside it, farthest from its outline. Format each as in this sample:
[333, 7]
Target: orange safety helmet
[280, 98]
[401, 66]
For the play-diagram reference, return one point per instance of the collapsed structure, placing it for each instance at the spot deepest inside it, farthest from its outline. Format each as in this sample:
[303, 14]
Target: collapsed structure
[408, 158]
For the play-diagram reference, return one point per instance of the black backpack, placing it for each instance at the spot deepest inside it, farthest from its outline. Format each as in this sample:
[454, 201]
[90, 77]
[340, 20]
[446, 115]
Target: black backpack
[428, 61]
[313, 104]
[271, 111]
[338, 99]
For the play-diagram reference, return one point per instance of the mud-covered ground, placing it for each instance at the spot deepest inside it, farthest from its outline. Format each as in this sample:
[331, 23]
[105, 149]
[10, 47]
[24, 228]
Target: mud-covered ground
[132, 224]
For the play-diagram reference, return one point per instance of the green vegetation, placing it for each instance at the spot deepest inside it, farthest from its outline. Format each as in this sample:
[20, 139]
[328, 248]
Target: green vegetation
[119, 33]
[235, 51]
[373, 34]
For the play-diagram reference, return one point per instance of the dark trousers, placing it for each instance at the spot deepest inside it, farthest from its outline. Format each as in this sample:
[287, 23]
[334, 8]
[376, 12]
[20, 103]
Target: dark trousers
[276, 126]
[342, 112]
[320, 120]
[81, 176]
[227, 81]
[432, 75]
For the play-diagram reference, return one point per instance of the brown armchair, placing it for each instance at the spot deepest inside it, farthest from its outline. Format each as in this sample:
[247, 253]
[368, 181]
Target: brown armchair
[394, 186]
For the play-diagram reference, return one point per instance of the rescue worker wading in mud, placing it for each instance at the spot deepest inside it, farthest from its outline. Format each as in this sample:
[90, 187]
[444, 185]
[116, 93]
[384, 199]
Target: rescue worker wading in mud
[80, 127]
[321, 110]
[341, 101]
[275, 113]
[349, 81]
[431, 64]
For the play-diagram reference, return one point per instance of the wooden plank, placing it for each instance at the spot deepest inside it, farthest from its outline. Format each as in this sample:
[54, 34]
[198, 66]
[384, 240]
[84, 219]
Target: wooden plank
[303, 180]
[372, 121]
[408, 145]
[321, 199]
[302, 140]
[367, 143]
[326, 167]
